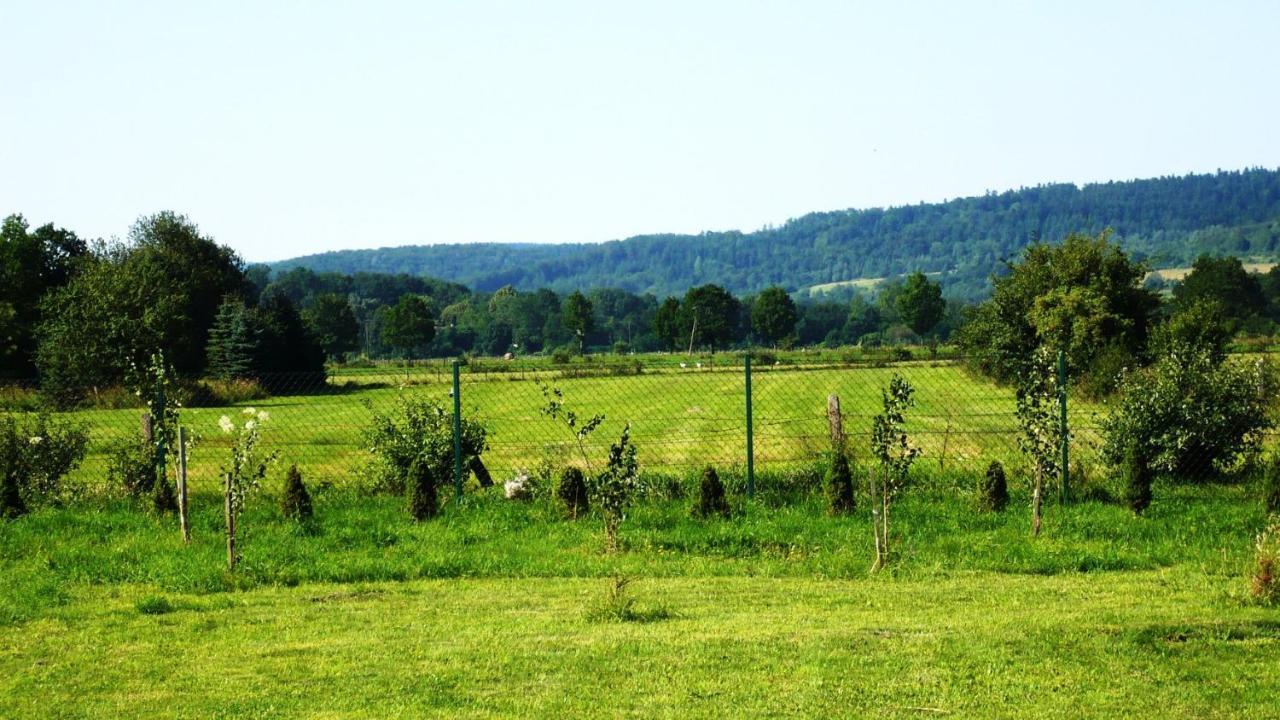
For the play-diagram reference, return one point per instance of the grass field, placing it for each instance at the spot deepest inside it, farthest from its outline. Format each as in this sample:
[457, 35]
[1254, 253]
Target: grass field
[498, 608]
[682, 418]
[488, 611]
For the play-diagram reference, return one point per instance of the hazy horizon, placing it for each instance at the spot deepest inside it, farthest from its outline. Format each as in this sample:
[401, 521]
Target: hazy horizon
[292, 129]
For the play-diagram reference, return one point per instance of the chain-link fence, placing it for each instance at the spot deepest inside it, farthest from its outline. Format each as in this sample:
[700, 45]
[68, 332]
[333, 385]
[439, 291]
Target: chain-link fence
[767, 417]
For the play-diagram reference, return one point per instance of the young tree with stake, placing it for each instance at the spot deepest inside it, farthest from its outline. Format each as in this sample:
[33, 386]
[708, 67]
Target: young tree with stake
[1040, 436]
[895, 453]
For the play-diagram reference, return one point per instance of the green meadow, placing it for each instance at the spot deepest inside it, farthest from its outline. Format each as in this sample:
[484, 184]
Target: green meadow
[499, 608]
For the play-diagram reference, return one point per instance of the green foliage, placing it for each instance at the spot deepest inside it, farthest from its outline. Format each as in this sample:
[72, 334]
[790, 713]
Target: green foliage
[153, 384]
[1080, 297]
[839, 485]
[1039, 428]
[1173, 218]
[774, 316]
[419, 430]
[31, 264]
[1190, 416]
[711, 496]
[1136, 475]
[615, 487]
[572, 492]
[895, 454]
[154, 605]
[1271, 484]
[423, 490]
[578, 316]
[556, 409]
[333, 324]
[131, 466]
[1224, 282]
[295, 501]
[36, 452]
[247, 466]
[710, 317]
[920, 303]
[1197, 325]
[408, 325]
[289, 359]
[233, 347]
[994, 490]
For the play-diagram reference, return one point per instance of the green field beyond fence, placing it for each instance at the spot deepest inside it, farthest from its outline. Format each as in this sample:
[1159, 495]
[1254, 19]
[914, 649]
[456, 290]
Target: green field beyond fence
[682, 418]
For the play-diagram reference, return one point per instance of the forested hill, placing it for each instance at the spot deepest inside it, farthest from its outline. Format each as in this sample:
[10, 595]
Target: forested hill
[1168, 220]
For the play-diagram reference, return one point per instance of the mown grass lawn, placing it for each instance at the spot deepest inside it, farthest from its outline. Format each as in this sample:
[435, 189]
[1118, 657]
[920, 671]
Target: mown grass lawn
[491, 610]
[1165, 643]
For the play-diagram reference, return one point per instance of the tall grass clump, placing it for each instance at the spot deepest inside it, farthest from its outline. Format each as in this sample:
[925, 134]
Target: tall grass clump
[1265, 585]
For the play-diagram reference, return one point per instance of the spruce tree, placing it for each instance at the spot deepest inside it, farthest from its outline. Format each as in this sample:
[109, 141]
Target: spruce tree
[839, 482]
[233, 342]
[995, 488]
[573, 492]
[711, 499]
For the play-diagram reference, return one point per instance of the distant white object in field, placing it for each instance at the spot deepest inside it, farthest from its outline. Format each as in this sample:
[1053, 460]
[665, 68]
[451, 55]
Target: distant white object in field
[698, 364]
[517, 488]
[682, 366]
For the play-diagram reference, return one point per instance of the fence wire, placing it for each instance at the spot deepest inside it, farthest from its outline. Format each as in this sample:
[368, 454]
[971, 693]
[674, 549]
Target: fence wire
[684, 416]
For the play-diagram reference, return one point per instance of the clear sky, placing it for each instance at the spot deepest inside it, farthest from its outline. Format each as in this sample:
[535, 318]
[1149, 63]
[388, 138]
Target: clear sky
[291, 128]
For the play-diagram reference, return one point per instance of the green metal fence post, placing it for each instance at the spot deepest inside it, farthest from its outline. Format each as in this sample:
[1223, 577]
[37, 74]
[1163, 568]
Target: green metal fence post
[1064, 428]
[457, 432]
[751, 459]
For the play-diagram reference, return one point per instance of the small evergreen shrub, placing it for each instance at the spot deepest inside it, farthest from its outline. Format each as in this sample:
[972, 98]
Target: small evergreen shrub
[839, 484]
[711, 499]
[995, 488]
[1271, 484]
[422, 491]
[1137, 475]
[164, 499]
[11, 504]
[572, 492]
[295, 501]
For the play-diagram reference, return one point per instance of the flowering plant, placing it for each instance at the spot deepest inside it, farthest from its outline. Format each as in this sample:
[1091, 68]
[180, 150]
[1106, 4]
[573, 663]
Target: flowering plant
[247, 468]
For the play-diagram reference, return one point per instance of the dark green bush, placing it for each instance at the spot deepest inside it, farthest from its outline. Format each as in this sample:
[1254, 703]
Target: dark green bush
[994, 495]
[839, 484]
[572, 492]
[1136, 473]
[11, 504]
[418, 430]
[295, 501]
[131, 466]
[163, 497]
[1271, 484]
[422, 491]
[711, 499]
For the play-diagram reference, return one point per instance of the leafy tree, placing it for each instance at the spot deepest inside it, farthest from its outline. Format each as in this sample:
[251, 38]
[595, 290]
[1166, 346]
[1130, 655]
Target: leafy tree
[615, 486]
[710, 316]
[773, 315]
[1200, 325]
[288, 356]
[31, 263]
[895, 453]
[920, 304]
[1080, 297]
[1222, 280]
[1189, 415]
[1040, 434]
[578, 316]
[408, 325]
[666, 323]
[332, 323]
[233, 347]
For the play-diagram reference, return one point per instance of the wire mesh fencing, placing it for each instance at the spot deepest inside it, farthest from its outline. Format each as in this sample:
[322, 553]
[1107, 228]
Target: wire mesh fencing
[684, 414]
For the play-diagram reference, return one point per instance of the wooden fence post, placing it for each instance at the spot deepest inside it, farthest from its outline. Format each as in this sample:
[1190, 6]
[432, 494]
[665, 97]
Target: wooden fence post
[231, 525]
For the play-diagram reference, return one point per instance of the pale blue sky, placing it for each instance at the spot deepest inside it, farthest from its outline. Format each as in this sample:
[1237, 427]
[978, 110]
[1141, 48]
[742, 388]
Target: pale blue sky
[289, 128]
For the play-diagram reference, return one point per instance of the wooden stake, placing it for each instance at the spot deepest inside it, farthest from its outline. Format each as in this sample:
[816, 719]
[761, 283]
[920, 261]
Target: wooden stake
[182, 486]
[231, 525]
[835, 422]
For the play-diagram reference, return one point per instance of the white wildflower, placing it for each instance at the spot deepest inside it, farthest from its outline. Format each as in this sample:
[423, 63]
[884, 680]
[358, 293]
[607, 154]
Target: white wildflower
[225, 423]
[263, 416]
[249, 411]
[518, 487]
[35, 440]
[250, 425]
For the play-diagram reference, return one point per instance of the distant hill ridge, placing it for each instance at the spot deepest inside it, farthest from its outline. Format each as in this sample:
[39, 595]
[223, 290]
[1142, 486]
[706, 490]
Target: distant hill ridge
[1167, 220]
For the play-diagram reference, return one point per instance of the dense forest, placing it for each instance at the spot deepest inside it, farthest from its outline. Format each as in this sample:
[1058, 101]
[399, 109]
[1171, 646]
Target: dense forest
[1166, 221]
